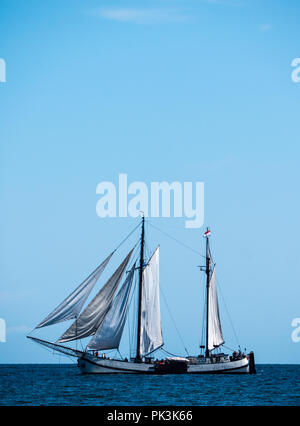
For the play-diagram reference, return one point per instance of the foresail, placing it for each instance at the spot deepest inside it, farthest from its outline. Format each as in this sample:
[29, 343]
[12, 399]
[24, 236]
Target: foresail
[215, 336]
[109, 334]
[93, 315]
[151, 334]
[70, 308]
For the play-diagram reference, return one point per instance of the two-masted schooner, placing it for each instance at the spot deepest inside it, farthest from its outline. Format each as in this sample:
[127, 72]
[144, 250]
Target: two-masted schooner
[104, 318]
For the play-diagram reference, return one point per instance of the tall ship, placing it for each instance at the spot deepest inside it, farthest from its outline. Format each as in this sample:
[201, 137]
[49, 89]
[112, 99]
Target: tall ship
[103, 320]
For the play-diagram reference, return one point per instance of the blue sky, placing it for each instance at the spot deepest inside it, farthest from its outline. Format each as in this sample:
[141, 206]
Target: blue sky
[161, 90]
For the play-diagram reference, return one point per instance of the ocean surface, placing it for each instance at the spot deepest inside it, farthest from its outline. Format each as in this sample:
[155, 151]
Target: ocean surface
[29, 384]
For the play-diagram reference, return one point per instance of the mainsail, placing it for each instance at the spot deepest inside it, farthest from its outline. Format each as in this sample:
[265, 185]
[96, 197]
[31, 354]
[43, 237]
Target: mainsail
[215, 336]
[108, 335]
[151, 334]
[91, 318]
[70, 308]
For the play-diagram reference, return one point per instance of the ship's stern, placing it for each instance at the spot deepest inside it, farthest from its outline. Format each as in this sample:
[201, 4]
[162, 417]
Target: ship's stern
[252, 368]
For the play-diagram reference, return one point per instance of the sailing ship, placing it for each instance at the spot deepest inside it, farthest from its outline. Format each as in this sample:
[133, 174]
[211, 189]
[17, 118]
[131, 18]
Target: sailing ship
[104, 318]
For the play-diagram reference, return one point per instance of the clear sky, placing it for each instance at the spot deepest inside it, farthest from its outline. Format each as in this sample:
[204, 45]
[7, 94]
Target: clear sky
[187, 90]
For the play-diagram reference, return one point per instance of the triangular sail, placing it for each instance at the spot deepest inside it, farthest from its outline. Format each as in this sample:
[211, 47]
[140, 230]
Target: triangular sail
[70, 308]
[108, 335]
[151, 334]
[215, 335]
[93, 315]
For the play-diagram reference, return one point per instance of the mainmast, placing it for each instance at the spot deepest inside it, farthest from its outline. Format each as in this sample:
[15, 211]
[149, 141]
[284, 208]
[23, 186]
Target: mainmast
[138, 353]
[207, 270]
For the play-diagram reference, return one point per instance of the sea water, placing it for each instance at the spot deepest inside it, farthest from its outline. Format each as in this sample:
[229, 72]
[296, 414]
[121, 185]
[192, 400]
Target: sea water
[41, 384]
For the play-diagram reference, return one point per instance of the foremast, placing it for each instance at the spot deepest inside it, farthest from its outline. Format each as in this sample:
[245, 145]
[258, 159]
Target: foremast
[138, 350]
[214, 335]
[104, 317]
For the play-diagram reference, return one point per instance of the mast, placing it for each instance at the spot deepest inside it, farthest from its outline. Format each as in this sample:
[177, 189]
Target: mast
[207, 270]
[76, 330]
[138, 353]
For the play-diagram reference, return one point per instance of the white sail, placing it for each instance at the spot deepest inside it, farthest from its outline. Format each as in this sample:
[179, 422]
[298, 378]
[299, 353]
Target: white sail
[70, 308]
[91, 318]
[215, 336]
[151, 334]
[108, 335]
